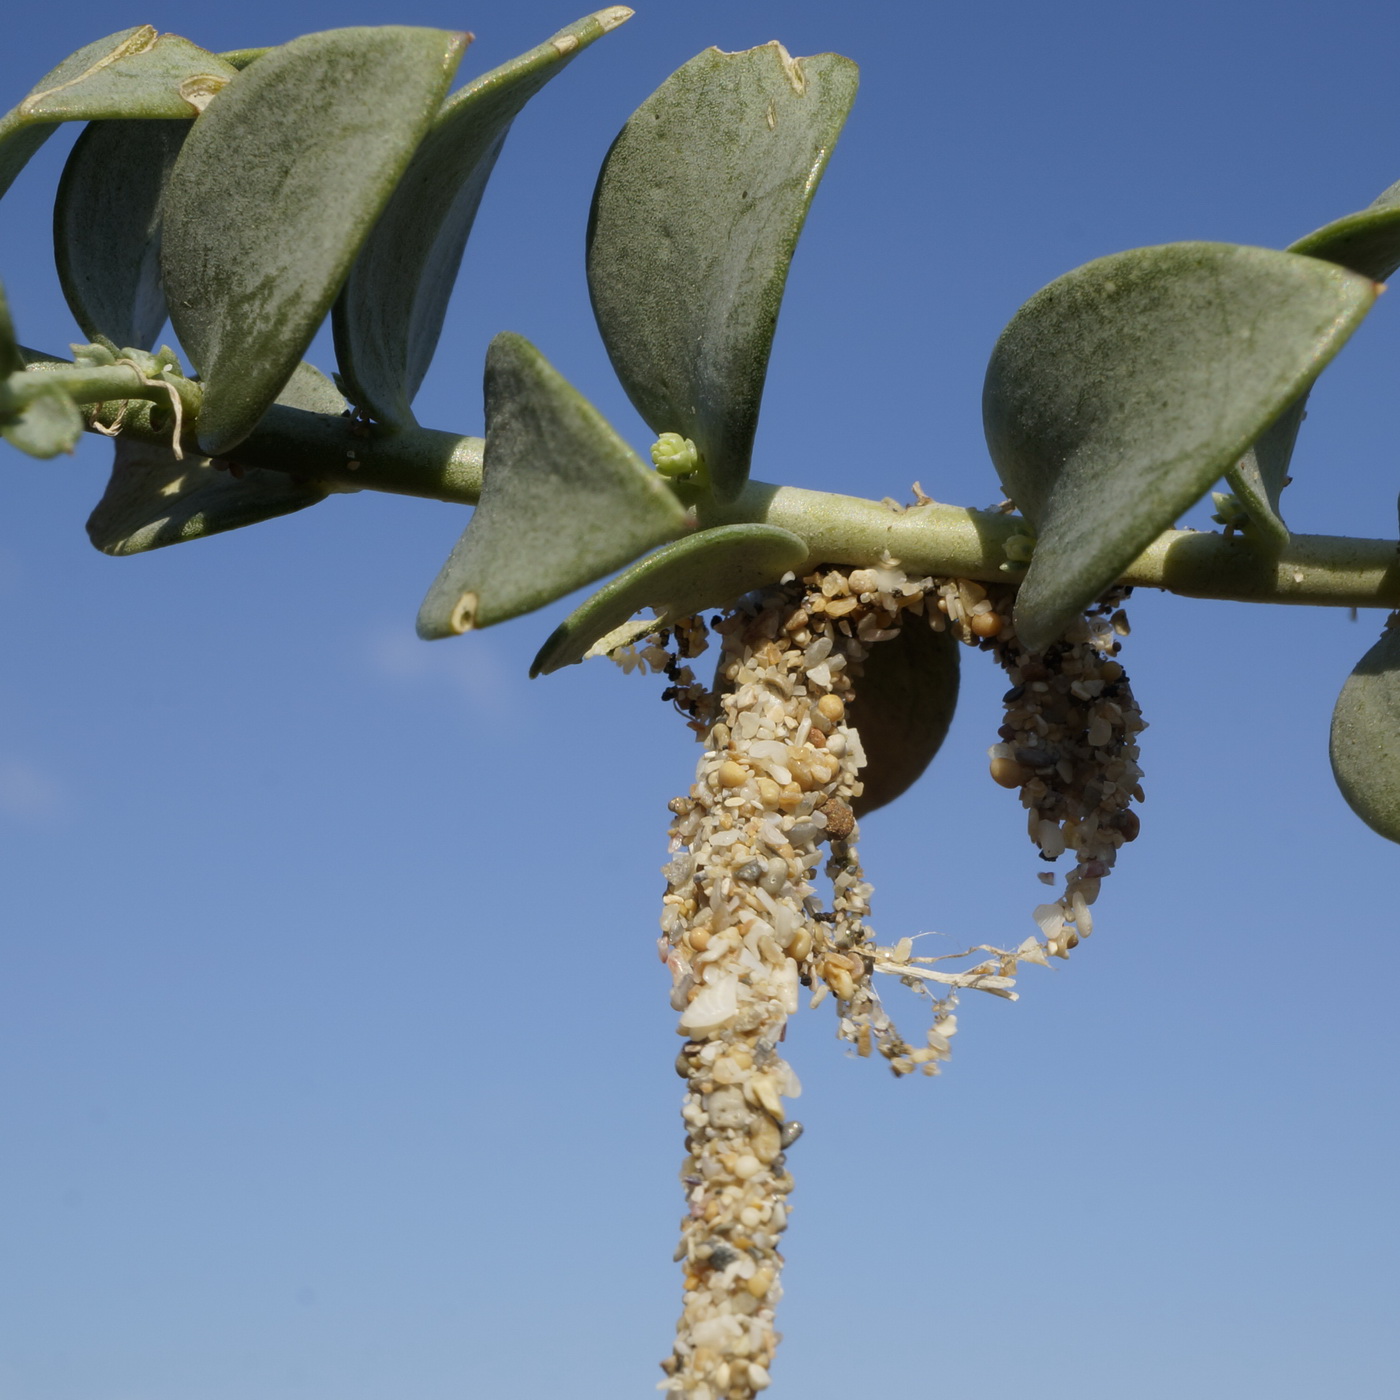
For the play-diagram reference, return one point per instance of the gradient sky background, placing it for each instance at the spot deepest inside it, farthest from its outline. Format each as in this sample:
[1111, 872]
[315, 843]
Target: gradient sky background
[336, 1056]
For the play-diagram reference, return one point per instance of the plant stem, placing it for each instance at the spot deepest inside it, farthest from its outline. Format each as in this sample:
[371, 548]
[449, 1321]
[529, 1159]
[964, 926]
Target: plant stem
[942, 540]
[102, 385]
[336, 451]
[341, 453]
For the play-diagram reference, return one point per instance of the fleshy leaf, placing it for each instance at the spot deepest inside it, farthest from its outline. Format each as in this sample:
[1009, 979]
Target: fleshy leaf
[707, 570]
[11, 360]
[1365, 743]
[390, 313]
[695, 219]
[135, 73]
[48, 424]
[1368, 243]
[563, 500]
[241, 58]
[1259, 477]
[904, 704]
[41, 425]
[277, 185]
[152, 499]
[1119, 393]
[107, 228]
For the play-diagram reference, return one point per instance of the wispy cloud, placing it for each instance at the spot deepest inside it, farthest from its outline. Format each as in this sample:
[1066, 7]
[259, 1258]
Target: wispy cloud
[28, 794]
[473, 667]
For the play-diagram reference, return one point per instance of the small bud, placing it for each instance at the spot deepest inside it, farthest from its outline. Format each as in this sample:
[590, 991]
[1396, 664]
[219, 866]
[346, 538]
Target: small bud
[1019, 547]
[1229, 511]
[673, 455]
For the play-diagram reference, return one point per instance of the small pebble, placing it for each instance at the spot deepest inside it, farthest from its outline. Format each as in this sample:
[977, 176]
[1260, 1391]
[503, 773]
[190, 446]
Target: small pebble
[1008, 773]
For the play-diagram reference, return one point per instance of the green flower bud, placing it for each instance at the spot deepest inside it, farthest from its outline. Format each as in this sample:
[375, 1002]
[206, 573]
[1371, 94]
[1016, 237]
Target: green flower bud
[1228, 510]
[674, 455]
[1018, 549]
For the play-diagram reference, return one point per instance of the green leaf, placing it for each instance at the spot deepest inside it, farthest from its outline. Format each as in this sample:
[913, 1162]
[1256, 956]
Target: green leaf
[153, 499]
[107, 228]
[135, 73]
[389, 316]
[1368, 243]
[563, 500]
[241, 58]
[1119, 393]
[695, 219]
[11, 360]
[38, 419]
[49, 423]
[1365, 744]
[903, 706]
[275, 189]
[1259, 477]
[706, 570]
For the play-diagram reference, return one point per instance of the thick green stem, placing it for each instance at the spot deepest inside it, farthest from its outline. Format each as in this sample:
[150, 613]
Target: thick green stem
[105, 386]
[333, 450]
[934, 539]
[346, 454]
[1326, 570]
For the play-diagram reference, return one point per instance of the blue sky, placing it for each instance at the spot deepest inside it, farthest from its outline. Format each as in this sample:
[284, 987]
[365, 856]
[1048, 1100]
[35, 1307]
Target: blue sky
[336, 1057]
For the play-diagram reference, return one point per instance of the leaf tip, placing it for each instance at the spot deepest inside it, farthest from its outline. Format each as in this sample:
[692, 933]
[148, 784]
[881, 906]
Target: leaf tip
[612, 17]
[201, 89]
[1035, 630]
[463, 615]
[433, 624]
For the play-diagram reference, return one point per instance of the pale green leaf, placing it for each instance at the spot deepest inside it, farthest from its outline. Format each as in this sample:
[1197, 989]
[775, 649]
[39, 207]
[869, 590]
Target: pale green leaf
[312, 392]
[1367, 242]
[1119, 393]
[695, 219]
[11, 360]
[903, 705]
[49, 423]
[707, 570]
[389, 316]
[277, 186]
[136, 73]
[241, 58]
[107, 228]
[1365, 743]
[1259, 477]
[153, 499]
[563, 500]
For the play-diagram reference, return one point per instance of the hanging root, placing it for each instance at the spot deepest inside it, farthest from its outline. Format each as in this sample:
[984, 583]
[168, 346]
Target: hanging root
[743, 926]
[744, 930]
[1069, 743]
[779, 765]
